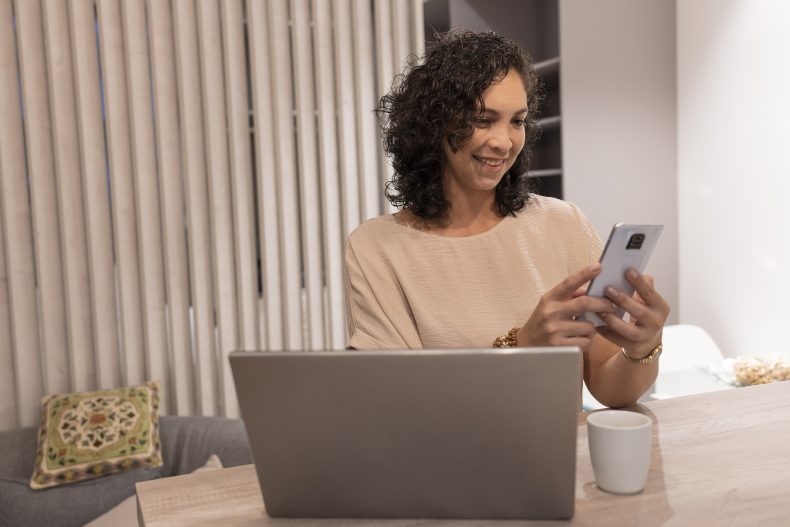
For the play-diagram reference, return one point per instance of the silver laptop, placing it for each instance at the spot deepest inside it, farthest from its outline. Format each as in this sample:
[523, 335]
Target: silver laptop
[413, 434]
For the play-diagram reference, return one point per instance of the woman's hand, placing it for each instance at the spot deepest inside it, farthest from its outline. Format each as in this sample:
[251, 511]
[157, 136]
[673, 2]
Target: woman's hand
[648, 310]
[553, 323]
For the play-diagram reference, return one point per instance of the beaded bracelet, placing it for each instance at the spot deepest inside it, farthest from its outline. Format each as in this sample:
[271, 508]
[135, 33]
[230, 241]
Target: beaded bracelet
[506, 341]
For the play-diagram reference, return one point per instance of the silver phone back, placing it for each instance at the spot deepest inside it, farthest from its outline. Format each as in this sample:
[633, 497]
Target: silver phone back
[617, 258]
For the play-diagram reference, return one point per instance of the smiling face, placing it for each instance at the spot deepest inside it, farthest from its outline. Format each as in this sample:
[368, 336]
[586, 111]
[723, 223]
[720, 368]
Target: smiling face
[497, 140]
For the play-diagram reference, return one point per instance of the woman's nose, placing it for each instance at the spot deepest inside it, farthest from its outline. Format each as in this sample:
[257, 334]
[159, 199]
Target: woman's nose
[500, 140]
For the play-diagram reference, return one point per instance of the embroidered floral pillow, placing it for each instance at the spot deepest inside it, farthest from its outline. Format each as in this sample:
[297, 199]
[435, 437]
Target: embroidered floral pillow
[90, 434]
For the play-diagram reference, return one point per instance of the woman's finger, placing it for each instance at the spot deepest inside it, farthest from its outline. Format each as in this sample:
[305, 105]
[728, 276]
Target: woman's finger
[567, 287]
[617, 327]
[644, 285]
[636, 309]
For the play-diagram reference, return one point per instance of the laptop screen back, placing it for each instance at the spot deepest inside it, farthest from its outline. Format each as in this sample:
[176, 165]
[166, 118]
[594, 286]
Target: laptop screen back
[413, 434]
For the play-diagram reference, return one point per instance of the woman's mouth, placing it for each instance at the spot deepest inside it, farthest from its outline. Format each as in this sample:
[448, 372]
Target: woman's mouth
[491, 161]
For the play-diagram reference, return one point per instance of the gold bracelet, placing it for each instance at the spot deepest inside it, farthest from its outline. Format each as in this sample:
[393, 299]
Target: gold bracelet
[506, 341]
[649, 359]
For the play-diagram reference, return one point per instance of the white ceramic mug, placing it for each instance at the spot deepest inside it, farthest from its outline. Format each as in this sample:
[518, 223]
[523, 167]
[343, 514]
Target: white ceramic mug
[620, 445]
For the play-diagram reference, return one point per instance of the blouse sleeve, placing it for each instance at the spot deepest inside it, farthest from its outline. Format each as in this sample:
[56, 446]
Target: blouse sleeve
[376, 315]
[592, 241]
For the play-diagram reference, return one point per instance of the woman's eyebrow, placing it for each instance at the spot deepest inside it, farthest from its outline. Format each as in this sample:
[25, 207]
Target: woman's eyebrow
[495, 113]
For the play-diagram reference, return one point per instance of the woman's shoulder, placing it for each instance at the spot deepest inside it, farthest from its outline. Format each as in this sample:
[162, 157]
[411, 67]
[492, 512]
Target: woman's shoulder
[372, 231]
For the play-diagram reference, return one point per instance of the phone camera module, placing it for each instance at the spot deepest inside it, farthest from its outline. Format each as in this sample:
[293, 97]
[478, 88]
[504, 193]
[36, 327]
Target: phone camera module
[635, 241]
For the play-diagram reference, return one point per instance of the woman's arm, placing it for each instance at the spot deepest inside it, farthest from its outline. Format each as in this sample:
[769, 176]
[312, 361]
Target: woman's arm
[611, 378]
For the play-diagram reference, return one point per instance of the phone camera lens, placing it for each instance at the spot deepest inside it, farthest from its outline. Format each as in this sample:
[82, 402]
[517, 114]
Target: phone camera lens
[635, 241]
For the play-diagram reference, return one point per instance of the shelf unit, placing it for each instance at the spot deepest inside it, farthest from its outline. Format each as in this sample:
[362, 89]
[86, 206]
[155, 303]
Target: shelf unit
[534, 24]
[546, 166]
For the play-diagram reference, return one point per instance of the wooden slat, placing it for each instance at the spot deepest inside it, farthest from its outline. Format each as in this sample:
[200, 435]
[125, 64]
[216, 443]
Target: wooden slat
[146, 197]
[401, 46]
[401, 36]
[266, 170]
[285, 158]
[16, 227]
[307, 154]
[384, 13]
[71, 215]
[367, 136]
[96, 193]
[43, 197]
[218, 171]
[417, 28]
[330, 180]
[346, 110]
[195, 185]
[172, 204]
[9, 418]
[236, 83]
[122, 191]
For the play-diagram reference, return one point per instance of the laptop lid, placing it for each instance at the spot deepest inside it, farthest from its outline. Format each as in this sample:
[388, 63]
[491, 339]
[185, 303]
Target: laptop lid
[413, 434]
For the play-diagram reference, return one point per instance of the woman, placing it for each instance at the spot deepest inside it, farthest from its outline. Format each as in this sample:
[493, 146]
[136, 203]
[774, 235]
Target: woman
[472, 253]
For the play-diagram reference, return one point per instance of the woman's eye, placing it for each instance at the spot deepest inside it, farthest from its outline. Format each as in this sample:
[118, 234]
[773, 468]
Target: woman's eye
[519, 122]
[482, 122]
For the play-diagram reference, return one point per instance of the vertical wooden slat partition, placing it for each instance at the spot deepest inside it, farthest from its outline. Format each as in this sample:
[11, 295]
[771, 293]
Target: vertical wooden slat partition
[243, 211]
[177, 179]
[217, 162]
[193, 161]
[68, 183]
[146, 197]
[330, 183]
[346, 116]
[268, 206]
[172, 203]
[43, 197]
[17, 235]
[238, 96]
[385, 40]
[124, 214]
[364, 84]
[95, 191]
[9, 409]
[310, 200]
[285, 172]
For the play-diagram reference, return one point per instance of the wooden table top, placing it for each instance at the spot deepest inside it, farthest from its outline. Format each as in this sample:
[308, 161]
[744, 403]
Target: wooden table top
[720, 458]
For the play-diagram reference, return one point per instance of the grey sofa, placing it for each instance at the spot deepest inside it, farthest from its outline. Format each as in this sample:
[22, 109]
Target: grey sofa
[187, 442]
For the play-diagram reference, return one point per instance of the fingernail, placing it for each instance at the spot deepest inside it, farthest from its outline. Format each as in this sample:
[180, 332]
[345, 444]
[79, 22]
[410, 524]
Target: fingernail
[632, 274]
[610, 291]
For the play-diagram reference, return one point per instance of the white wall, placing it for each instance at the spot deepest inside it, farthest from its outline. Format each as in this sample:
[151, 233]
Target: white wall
[734, 178]
[619, 120]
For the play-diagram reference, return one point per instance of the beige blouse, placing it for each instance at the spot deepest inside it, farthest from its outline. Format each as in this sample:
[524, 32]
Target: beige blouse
[406, 288]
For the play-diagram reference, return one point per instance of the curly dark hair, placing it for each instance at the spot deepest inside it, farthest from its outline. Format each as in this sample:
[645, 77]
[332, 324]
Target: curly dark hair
[438, 100]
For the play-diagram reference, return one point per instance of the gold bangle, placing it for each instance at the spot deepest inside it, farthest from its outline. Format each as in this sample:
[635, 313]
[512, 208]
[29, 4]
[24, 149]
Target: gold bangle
[506, 341]
[649, 359]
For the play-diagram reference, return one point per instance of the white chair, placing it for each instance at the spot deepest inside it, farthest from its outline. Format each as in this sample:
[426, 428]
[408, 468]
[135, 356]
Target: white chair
[689, 363]
[687, 347]
[687, 360]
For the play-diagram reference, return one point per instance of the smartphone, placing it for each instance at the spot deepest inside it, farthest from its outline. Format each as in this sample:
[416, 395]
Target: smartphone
[628, 246]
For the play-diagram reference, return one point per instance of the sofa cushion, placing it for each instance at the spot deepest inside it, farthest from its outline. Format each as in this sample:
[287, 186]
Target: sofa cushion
[85, 435]
[63, 506]
[186, 444]
[188, 441]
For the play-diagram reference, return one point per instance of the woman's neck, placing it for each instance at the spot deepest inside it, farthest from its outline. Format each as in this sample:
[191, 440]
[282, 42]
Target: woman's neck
[470, 212]
[466, 217]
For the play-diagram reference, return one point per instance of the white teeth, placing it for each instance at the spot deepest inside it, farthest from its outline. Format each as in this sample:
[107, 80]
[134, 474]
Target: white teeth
[491, 162]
